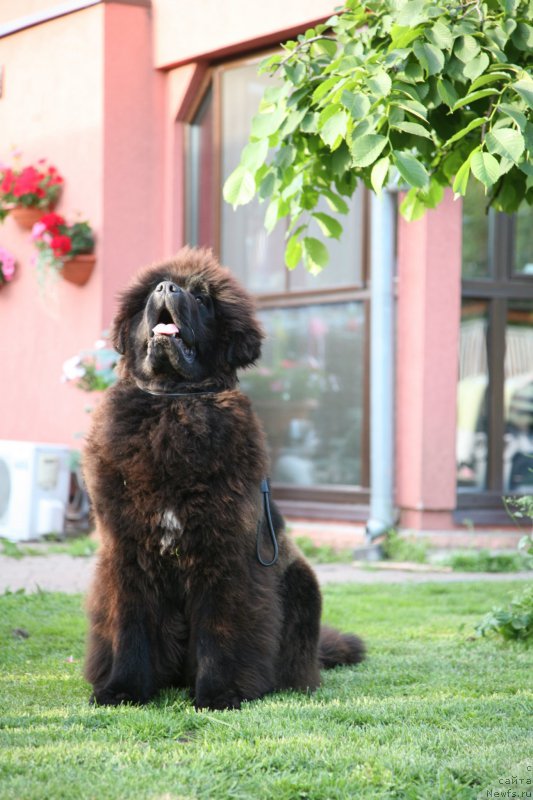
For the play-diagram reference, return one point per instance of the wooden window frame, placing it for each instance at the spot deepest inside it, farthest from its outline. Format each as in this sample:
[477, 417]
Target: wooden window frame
[502, 285]
[332, 502]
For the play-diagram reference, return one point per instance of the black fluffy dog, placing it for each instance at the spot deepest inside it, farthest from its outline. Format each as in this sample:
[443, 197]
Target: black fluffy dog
[174, 465]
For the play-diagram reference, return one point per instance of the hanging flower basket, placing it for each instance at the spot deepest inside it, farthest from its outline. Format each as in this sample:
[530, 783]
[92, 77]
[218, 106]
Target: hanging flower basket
[26, 217]
[78, 269]
[63, 250]
[29, 192]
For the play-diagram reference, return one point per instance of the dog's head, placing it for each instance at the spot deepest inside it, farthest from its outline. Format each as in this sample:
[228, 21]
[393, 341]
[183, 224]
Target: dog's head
[186, 321]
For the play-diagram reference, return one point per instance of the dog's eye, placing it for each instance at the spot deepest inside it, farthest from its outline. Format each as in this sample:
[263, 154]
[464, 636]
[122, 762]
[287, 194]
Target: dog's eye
[201, 299]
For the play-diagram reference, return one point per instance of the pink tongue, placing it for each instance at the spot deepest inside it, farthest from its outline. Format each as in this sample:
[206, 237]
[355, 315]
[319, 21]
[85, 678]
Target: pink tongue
[166, 330]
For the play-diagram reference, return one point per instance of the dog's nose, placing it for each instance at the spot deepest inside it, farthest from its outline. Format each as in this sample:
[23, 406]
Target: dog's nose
[167, 287]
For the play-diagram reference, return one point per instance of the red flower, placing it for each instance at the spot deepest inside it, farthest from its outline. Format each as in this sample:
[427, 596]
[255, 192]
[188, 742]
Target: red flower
[27, 182]
[8, 180]
[61, 245]
[52, 222]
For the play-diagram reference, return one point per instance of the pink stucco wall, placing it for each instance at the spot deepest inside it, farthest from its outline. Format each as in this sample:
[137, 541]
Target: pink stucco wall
[185, 31]
[51, 107]
[429, 280]
[85, 96]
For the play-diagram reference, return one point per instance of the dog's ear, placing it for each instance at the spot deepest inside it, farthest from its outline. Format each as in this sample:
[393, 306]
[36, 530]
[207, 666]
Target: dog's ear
[119, 333]
[245, 348]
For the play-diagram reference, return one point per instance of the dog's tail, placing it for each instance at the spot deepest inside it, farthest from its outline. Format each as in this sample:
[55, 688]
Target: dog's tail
[335, 648]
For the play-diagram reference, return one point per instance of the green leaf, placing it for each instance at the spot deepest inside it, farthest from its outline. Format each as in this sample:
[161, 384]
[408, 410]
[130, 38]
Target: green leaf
[367, 148]
[475, 123]
[461, 179]
[440, 35]
[357, 104]
[412, 13]
[293, 121]
[466, 48]
[430, 57]
[378, 174]
[506, 142]
[490, 77]
[323, 88]
[254, 154]
[485, 168]
[412, 171]
[315, 254]
[414, 128]
[329, 226]
[293, 252]
[515, 113]
[473, 96]
[295, 72]
[447, 92]
[335, 202]
[333, 129]
[239, 188]
[402, 36]
[265, 124]
[412, 207]
[266, 187]
[325, 47]
[380, 83]
[476, 66]
[272, 215]
[524, 88]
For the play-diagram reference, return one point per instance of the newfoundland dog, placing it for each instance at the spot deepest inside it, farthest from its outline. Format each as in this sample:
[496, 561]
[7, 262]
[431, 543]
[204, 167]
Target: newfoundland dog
[197, 584]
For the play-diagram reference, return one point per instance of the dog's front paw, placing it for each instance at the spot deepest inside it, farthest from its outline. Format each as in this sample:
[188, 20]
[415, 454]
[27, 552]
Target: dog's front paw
[216, 697]
[116, 696]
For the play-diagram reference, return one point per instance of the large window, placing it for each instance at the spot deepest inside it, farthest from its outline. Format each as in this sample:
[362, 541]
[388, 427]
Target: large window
[310, 388]
[495, 392]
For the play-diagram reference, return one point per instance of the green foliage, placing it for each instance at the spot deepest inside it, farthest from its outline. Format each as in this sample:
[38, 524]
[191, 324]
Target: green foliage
[485, 561]
[322, 554]
[512, 623]
[80, 546]
[81, 237]
[424, 94]
[403, 548]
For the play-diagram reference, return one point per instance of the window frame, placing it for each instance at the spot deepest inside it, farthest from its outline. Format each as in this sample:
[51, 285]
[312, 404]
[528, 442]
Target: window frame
[317, 501]
[503, 284]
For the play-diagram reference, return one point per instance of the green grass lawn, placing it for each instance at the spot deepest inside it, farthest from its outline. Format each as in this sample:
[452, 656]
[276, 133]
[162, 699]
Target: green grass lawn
[433, 713]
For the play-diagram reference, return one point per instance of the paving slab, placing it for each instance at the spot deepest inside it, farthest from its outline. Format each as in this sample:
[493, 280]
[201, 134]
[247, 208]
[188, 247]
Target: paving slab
[64, 573]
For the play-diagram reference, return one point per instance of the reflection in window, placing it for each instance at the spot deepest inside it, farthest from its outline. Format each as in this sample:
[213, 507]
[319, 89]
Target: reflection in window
[308, 391]
[256, 257]
[475, 233]
[472, 396]
[518, 398]
[523, 257]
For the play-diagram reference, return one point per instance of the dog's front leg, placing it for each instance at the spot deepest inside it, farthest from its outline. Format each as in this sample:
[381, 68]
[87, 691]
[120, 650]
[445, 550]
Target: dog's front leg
[234, 639]
[119, 661]
[131, 676]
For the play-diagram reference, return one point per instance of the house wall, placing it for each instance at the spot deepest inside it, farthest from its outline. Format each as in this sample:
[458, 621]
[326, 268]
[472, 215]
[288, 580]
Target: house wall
[81, 91]
[51, 107]
[84, 91]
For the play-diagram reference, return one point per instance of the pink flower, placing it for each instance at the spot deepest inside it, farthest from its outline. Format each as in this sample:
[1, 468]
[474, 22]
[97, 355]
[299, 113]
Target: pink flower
[37, 230]
[7, 264]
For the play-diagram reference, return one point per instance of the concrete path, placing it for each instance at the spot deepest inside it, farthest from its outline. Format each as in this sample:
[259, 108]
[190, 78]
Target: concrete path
[63, 573]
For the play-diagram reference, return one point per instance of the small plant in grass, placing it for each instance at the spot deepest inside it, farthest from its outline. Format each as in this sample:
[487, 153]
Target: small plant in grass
[513, 623]
[403, 548]
[485, 561]
[324, 554]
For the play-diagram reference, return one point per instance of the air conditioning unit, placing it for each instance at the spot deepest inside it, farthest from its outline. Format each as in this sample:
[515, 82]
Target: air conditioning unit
[34, 489]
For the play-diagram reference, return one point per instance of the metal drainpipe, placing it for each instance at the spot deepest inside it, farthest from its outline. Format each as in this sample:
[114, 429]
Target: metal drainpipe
[382, 514]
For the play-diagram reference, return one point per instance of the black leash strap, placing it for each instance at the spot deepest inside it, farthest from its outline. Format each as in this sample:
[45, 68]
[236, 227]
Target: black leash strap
[265, 490]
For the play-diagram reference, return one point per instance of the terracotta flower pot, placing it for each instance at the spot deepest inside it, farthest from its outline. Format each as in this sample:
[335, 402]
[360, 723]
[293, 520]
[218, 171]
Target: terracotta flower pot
[78, 269]
[26, 217]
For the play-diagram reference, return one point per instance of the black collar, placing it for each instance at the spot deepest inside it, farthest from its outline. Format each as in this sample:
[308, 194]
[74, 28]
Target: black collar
[192, 393]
